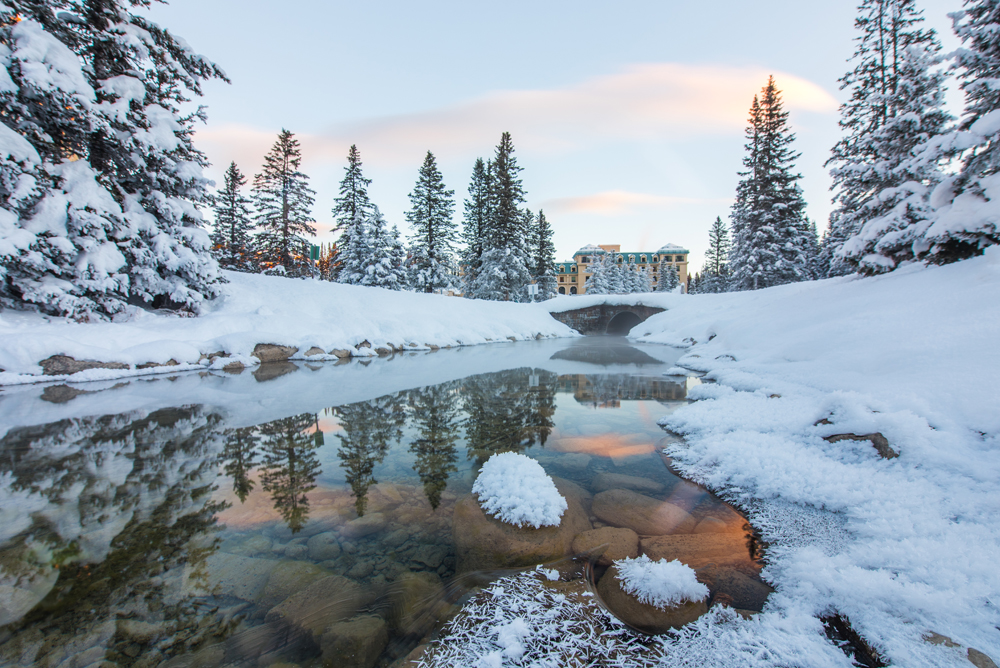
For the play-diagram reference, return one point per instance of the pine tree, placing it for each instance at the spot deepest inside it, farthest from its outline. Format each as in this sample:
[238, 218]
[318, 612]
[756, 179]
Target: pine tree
[231, 240]
[718, 247]
[432, 252]
[599, 282]
[965, 222]
[352, 205]
[475, 224]
[100, 182]
[881, 193]
[770, 231]
[544, 259]
[669, 279]
[289, 466]
[284, 200]
[503, 274]
[374, 256]
[645, 283]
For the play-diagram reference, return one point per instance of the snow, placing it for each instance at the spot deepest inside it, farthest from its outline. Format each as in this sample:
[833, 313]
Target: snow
[515, 488]
[901, 547]
[662, 584]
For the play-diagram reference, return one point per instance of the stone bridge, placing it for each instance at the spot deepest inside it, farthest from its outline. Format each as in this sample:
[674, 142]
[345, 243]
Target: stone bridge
[606, 318]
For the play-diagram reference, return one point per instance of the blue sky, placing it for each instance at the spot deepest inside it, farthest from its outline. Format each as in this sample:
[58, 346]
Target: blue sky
[627, 118]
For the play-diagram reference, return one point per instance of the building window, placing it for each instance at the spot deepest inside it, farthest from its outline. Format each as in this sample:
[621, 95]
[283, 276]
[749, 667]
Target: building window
[572, 290]
[620, 259]
[656, 259]
[585, 259]
[562, 290]
[562, 279]
[631, 259]
[654, 268]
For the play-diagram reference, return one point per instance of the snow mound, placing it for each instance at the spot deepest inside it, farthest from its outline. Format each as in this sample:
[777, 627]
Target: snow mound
[662, 584]
[515, 488]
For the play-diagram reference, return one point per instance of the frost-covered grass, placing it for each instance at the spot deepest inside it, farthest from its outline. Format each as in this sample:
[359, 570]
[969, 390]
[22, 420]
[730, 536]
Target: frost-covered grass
[267, 309]
[902, 547]
[516, 489]
[523, 620]
[662, 584]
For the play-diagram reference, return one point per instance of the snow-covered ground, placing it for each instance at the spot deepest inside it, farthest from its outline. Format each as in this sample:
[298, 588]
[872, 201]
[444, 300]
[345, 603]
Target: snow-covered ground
[261, 309]
[902, 547]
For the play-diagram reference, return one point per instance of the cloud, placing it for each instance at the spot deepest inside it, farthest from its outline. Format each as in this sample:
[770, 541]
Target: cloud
[618, 202]
[643, 102]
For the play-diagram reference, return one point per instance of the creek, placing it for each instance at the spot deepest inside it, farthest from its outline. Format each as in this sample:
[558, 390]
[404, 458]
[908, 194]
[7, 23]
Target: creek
[303, 514]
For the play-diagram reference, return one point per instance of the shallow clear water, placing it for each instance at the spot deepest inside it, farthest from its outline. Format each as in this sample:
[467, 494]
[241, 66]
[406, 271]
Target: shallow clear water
[302, 513]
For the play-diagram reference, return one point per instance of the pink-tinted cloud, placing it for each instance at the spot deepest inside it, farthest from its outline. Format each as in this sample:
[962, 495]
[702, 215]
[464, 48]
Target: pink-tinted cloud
[654, 101]
[617, 202]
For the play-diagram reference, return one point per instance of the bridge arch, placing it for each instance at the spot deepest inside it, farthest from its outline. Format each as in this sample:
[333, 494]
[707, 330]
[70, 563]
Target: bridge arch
[598, 319]
[621, 323]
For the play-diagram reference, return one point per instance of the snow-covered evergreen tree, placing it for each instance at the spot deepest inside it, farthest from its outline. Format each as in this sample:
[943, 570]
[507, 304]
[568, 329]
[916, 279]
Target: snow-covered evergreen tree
[967, 211]
[283, 199]
[715, 276]
[474, 225]
[770, 231]
[544, 259]
[231, 240]
[432, 252]
[351, 207]
[374, 255]
[601, 281]
[669, 279]
[615, 273]
[504, 268]
[881, 193]
[645, 282]
[101, 181]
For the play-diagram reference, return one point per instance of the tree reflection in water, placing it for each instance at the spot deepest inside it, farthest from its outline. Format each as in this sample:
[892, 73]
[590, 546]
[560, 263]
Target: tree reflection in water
[435, 412]
[240, 455]
[112, 510]
[289, 465]
[369, 429]
[508, 411]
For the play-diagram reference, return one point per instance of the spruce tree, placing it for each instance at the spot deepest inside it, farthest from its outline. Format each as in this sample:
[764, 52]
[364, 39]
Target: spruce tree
[432, 252]
[503, 274]
[669, 279]
[374, 256]
[107, 210]
[718, 247]
[881, 193]
[231, 239]
[284, 200]
[544, 259]
[475, 224]
[966, 222]
[770, 231]
[599, 282]
[351, 207]
[645, 283]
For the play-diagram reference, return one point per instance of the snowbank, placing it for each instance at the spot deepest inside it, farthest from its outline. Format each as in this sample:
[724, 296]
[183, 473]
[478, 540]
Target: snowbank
[662, 584]
[515, 488]
[257, 309]
[902, 547]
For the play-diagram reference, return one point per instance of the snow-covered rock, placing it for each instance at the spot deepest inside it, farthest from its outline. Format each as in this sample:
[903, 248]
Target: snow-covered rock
[515, 488]
[661, 583]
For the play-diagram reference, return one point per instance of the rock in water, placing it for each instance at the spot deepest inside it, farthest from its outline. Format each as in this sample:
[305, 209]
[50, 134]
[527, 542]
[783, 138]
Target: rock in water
[286, 579]
[643, 616]
[622, 543]
[698, 550]
[323, 546]
[355, 643]
[485, 543]
[643, 514]
[602, 482]
[312, 610]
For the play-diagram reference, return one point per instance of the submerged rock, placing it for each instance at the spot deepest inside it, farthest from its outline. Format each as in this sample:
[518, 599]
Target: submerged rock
[364, 526]
[643, 616]
[355, 643]
[643, 514]
[229, 575]
[602, 482]
[699, 550]
[324, 601]
[413, 601]
[485, 543]
[286, 579]
[622, 543]
[323, 546]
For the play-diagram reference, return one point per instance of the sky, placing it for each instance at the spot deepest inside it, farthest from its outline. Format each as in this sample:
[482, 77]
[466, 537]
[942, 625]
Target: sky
[627, 119]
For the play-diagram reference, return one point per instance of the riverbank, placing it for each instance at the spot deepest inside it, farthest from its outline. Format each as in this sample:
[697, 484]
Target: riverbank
[261, 319]
[898, 535]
